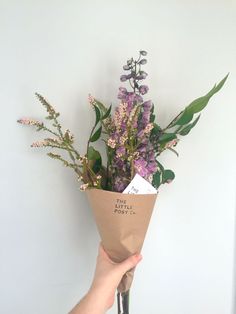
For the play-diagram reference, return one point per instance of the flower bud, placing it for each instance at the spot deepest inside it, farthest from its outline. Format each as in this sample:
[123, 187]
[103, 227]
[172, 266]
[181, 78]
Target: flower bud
[129, 62]
[126, 67]
[123, 78]
[143, 89]
[143, 61]
[143, 52]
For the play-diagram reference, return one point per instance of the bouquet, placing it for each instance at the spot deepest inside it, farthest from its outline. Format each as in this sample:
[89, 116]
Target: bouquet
[122, 188]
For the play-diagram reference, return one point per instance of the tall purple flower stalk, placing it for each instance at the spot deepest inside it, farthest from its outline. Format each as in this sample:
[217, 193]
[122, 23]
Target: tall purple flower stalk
[129, 141]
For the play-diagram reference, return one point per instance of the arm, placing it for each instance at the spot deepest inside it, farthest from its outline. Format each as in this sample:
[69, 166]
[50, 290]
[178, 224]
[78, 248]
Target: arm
[107, 277]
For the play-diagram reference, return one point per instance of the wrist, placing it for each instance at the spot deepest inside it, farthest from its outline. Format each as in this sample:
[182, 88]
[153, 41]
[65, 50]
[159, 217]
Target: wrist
[96, 299]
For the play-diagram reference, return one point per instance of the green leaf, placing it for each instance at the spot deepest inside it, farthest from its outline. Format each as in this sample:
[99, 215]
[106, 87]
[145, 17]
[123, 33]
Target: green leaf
[156, 129]
[188, 128]
[107, 113]
[220, 85]
[160, 166]
[156, 181]
[197, 105]
[167, 137]
[168, 176]
[185, 118]
[200, 103]
[100, 105]
[98, 115]
[152, 117]
[95, 158]
[93, 154]
[96, 135]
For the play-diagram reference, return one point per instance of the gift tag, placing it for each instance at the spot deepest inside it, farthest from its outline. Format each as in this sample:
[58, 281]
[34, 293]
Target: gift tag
[139, 186]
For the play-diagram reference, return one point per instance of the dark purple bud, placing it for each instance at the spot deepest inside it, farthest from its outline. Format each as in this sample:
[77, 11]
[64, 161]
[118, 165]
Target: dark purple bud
[123, 78]
[129, 76]
[143, 74]
[126, 67]
[143, 52]
[129, 62]
[123, 90]
[143, 89]
[143, 61]
[147, 105]
[140, 77]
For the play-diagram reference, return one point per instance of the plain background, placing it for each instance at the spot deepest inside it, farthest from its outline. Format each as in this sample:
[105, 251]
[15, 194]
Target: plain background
[66, 50]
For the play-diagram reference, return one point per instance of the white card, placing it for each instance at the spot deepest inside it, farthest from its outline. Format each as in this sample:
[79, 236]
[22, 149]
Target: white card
[139, 186]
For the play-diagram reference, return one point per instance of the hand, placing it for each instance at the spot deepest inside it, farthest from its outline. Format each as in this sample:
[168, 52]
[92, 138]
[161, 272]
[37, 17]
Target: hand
[107, 277]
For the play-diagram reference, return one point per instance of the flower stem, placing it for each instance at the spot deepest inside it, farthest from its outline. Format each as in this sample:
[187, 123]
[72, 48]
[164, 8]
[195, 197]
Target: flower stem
[125, 302]
[118, 303]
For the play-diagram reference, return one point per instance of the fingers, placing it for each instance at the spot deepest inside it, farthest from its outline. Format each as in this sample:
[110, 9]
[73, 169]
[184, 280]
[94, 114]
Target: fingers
[130, 262]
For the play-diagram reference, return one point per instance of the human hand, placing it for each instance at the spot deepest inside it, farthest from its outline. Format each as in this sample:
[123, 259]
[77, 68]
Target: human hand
[107, 277]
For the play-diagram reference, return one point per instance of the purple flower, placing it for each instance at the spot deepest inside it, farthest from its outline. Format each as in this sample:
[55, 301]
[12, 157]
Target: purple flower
[123, 78]
[126, 67]
[129, 76]
[119, 184]
[144, 74]
[147, 105]
[123, 90]
[142, 149]
[122, 93]
[120, 151]
[143, 52]
[143, 61]
[143, 89]
[140, 166]
[152, 167]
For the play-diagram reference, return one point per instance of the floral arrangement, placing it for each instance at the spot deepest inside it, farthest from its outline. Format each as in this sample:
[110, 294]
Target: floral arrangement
[132, 138]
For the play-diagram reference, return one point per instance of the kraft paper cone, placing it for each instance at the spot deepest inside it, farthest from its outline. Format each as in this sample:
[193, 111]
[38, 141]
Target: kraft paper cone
[122, 221]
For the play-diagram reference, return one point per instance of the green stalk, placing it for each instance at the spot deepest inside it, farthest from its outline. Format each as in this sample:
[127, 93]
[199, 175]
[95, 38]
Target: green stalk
[125, 302]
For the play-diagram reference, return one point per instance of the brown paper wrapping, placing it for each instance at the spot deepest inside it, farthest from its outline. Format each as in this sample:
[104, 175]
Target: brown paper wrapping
[122, 221]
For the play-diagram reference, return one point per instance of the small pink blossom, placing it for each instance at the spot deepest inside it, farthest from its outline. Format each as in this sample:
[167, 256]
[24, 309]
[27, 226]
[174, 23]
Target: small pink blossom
[171, 143]
[27, 121]
[111, 143]
[39, 144]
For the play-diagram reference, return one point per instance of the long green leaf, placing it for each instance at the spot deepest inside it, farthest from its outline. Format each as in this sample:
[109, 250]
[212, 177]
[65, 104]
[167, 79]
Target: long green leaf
[200, 103]
[98, 115]
[96, 135]
[188, 128]
[166, 137]
[95, 158]
[185, 118]
[156, 181]
[197, 105]
[107, 113]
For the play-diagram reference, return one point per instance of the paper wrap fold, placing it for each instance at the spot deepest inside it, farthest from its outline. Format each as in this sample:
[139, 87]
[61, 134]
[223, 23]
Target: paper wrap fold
[122, 221]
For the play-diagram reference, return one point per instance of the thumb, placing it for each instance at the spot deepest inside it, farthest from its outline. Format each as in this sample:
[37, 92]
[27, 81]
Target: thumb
[130, 262]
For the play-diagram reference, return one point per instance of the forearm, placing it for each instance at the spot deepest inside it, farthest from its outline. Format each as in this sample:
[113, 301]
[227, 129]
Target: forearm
[90, 304]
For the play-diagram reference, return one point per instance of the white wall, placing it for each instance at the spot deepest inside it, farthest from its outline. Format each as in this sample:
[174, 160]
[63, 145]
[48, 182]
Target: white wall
[67, 49]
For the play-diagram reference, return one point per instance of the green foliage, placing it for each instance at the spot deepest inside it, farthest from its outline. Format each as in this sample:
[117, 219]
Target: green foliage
[167, 176]
[167, 137]
[107, 113]
[96, 135]
[98, 115]
[95, 159]
[162, 176]
[188, 127]
[156, 181]
[196, 106]
[156, 129]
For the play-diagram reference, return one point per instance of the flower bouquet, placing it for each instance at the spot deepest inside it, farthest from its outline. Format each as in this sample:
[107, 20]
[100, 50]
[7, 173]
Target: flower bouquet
[122, 189]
